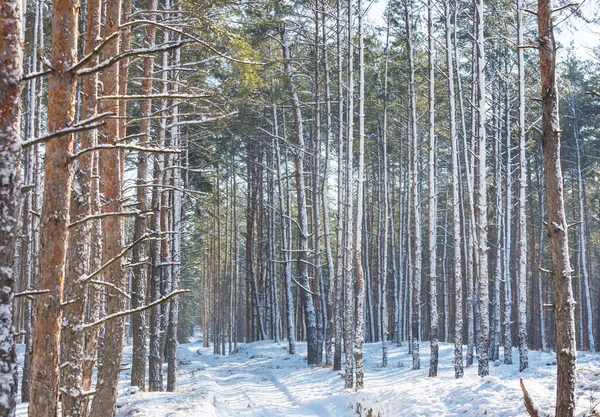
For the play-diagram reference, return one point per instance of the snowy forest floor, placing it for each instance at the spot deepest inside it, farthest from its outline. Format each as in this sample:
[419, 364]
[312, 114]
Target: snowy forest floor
[261, 379]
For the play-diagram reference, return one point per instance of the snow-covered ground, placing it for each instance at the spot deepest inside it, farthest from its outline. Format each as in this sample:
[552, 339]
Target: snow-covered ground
[261, 379]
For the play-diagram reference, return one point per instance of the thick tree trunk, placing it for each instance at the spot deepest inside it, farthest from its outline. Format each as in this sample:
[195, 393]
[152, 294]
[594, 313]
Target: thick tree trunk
[72, 338]
[58, 175]
[564, 303]
[11, 71]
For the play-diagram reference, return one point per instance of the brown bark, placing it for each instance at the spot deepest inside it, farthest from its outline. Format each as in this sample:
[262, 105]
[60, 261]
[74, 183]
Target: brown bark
[11, 55]
[564, 303]
[58, 174]
[109, 359]
[72, 338]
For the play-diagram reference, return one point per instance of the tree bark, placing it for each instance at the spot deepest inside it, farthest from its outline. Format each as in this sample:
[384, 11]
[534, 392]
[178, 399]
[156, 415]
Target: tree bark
[308, 305]
[11, 71]
[109, 357]
[58, 175]
[564, 303]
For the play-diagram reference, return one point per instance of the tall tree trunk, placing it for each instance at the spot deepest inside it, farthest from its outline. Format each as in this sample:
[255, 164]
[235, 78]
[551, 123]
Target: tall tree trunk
[139, 270]
[432, 207]
[360, 289]
[415, 200]
[331, 273]
[285, 247]
[339, 271]
[109, 358]
[454, 149]
[308, 305]
[72, 338]
[564, 303]
[11, 71]
[386, 209]
[58, 174]
[484, 335]
[583, 252]
[522, 218]
[349, 315]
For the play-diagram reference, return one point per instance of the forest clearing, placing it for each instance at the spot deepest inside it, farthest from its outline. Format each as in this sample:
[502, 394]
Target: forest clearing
[303, 207]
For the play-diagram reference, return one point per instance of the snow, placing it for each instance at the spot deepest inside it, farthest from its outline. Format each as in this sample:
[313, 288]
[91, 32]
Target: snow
[261, 379]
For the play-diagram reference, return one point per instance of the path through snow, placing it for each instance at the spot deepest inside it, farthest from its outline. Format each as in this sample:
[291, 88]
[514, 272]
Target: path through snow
[261, 379]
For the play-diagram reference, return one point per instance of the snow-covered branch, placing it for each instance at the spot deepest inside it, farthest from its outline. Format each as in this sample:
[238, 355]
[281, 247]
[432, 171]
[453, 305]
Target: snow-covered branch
[127, 54]
[124, 147]
[87, 124]
[135, 310]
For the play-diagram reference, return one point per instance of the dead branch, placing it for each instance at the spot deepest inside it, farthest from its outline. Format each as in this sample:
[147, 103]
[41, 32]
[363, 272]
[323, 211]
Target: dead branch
[33, 75]
[113, 260]
[193, 38]
[86, 124]
[107, 63]
[94, 52]
[135, 310]
[30, 293]
[110, 214]
[124, 147]
[153, 97]
[530, 405]
[113, 286]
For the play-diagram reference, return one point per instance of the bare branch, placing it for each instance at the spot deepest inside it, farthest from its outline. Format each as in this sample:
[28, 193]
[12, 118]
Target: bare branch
[86, 124]
[113, 260]
[124, 147]
[94, 52]
[104, 215]
[30, 293]
[113, 286]
[135, 310]
[123, 55]
[153, 97]
[194, 38]
[33, 75]
[566, 6]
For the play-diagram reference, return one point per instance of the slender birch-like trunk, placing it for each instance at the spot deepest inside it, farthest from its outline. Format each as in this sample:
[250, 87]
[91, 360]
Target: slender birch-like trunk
[138, 280]
[522, 200]
[583, 252]
[339, 271]
[285, 248]
[360, 290]
[415, 200]
[349, 315]
[386, 209]
[454, 150]
[432, 206]
[484, 335]
[309, 308]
